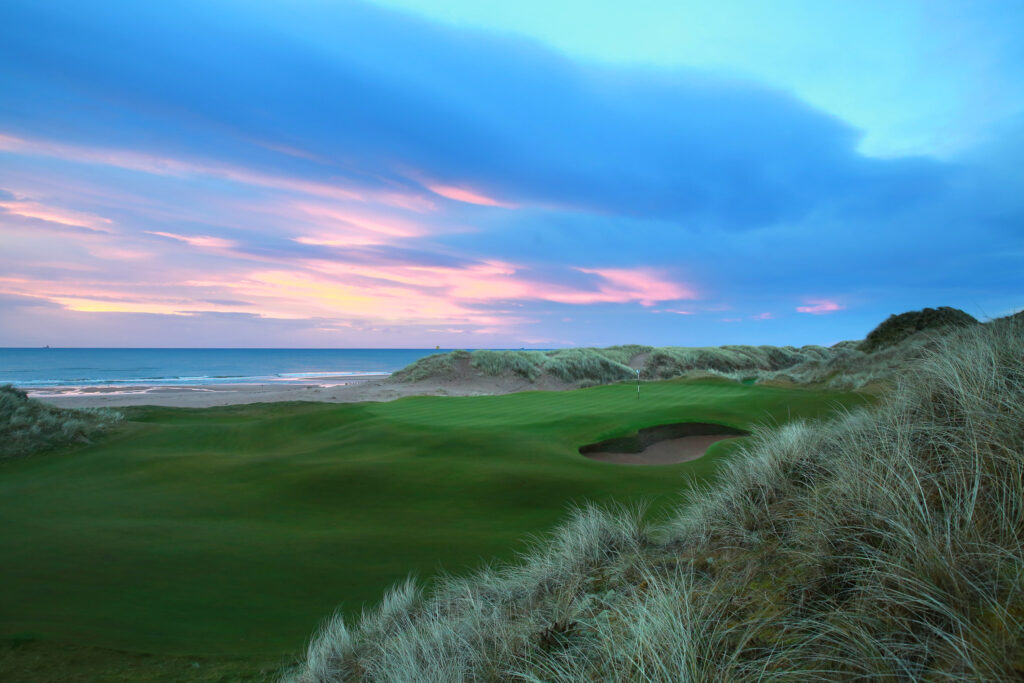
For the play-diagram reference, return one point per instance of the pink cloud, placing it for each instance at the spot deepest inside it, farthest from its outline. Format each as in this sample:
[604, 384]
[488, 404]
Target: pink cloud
[461, 194]
[485, 280]
[676, 311]
[198, 240]
[345, 227]
[118, 254]
[500, 281]
[169, 166]
[763, 316]
[58, 215]
[436, 295]
[92, 297]
[294, 152]
[621, 285]
[819, 307]
[732, 320]
[477, 297]
[87, 305]
[311, 294]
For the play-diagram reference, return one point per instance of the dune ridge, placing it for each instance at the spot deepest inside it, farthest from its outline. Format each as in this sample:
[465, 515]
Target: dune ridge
[845, 365]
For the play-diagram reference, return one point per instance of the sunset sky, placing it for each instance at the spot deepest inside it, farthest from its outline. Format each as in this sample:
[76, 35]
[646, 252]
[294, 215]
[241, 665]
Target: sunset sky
[472, 174]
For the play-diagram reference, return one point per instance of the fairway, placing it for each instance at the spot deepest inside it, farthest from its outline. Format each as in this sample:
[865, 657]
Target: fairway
[234, 531]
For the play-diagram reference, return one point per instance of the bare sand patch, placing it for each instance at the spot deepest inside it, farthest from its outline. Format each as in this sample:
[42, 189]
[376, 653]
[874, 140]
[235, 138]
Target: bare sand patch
[667, 452]
[661, 445]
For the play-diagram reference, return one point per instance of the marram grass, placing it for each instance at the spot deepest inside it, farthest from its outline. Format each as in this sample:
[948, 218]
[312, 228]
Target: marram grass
[885, 544]
[843, 366]
[28, 426]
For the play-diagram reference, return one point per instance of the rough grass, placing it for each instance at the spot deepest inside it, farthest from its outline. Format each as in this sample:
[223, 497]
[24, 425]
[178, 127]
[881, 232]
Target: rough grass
[432, 366]
[577, 367]
[896, 328]
[727, 360]
[525, 364]
[848, 367]
[898, 340]
[28, 426]
[589, 366]
[887, 544]
[843, 366]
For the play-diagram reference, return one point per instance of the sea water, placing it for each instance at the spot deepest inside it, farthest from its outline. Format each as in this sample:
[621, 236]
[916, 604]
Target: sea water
[37, 368]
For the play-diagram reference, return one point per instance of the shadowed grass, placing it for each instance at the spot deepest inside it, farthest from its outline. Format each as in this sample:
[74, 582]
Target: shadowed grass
[34, 661]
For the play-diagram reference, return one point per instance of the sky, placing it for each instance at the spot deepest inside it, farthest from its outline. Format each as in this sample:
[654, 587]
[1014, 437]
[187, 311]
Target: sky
[469, 174]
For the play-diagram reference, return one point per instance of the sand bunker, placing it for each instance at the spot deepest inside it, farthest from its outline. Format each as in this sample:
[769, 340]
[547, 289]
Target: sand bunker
[661, 445]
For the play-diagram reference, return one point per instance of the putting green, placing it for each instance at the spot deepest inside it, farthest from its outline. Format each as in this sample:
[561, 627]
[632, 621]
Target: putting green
[234, 531]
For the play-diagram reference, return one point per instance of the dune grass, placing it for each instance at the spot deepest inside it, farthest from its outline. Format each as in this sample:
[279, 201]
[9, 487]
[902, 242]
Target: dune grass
[525, 364]
[887, 544]
[728, 360]
[229, 531]
[898, 327]
[578, 367]
[843, 366]
[432, 366]
[28, 426]
[894, 343]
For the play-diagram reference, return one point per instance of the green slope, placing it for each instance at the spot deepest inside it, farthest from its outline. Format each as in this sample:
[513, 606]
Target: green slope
[233, 531]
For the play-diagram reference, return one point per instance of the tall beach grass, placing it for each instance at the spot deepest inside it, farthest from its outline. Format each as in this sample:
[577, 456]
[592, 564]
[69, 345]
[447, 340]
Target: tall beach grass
[898, 340]
[28, 426]
[577, 366]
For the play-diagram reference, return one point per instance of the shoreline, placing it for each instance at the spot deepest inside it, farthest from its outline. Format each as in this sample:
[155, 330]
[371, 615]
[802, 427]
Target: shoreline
[366, 388]
[205, 395]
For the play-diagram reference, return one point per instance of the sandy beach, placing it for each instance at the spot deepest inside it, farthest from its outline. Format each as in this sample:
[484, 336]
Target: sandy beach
[365, 388]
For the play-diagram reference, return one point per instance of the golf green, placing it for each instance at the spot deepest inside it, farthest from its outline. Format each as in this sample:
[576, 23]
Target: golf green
[234, 531]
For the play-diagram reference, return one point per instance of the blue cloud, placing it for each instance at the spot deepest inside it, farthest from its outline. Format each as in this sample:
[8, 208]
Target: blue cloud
[375, 95]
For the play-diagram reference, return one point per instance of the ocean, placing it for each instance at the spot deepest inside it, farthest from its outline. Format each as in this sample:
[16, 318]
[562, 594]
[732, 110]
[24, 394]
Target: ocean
[37, 368]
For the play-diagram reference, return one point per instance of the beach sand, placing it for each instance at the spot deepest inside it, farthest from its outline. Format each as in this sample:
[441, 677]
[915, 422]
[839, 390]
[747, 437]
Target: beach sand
[367, 388]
